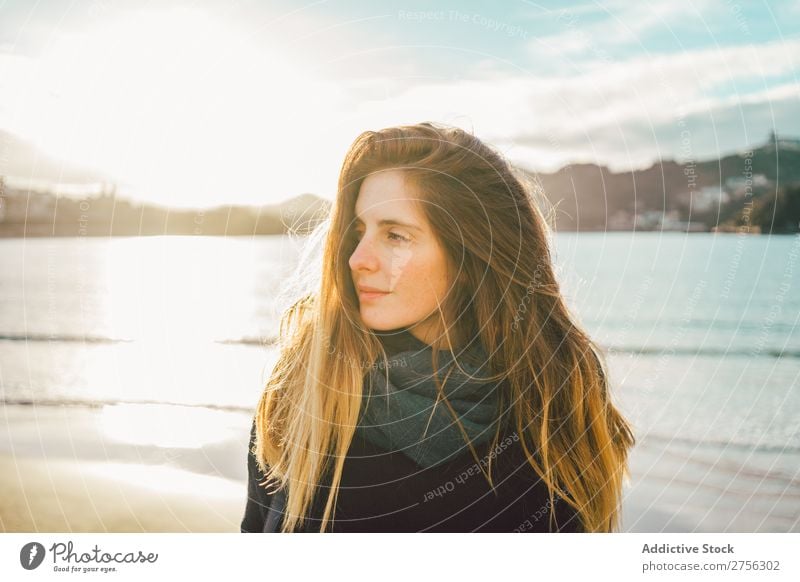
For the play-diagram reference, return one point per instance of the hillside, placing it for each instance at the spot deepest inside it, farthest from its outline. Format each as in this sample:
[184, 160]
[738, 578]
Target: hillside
[755, 191]
[696, 195]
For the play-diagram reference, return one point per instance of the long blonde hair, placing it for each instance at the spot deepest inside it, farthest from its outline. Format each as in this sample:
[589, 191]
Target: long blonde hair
[485, 214]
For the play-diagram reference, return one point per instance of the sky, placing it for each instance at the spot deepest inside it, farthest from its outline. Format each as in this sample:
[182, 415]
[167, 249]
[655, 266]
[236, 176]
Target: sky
[253, 102]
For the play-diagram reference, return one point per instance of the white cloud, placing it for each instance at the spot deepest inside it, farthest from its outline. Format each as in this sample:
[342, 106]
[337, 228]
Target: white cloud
[624, 104]
[222, 121]
[624, 23]
[175, 105]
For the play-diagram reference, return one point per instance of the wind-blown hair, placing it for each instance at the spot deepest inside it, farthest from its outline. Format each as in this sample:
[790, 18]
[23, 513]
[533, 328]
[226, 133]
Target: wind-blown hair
[555, 391]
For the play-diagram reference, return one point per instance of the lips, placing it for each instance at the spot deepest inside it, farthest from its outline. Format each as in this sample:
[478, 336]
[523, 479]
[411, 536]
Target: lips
[368, 289]
[366, 293]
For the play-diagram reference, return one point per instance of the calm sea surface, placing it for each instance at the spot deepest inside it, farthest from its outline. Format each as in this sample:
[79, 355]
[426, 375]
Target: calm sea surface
[703, 333]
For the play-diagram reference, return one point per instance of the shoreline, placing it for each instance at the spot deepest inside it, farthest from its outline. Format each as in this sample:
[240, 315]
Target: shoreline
[170, 468]
[72, 469]
[79, 496]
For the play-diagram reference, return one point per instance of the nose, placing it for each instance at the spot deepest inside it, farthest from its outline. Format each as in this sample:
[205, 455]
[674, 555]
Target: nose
[364, 257]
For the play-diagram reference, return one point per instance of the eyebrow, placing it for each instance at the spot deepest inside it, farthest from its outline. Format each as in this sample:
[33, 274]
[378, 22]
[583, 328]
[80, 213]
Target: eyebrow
[392, 222]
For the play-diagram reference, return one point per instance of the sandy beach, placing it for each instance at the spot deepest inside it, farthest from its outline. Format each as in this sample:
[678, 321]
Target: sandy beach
[63, 470]
[66, 496]
[167, 468]
[680, 485]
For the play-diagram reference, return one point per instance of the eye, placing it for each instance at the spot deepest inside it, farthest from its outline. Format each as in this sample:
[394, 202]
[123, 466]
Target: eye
[394, 237]
[398, 237]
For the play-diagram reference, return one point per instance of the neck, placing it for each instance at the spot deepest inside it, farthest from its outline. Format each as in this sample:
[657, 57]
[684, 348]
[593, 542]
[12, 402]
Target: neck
[435, 337]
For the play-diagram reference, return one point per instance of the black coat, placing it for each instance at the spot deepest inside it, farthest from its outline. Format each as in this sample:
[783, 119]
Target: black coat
[385, 491]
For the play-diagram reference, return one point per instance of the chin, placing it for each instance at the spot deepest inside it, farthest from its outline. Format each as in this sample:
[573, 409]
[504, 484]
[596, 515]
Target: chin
[382, 324]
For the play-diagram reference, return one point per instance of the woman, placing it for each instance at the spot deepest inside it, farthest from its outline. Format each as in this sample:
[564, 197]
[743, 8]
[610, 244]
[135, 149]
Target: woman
[435, 380]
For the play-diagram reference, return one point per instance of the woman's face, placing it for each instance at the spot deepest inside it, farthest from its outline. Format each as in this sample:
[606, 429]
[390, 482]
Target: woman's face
[398, 255]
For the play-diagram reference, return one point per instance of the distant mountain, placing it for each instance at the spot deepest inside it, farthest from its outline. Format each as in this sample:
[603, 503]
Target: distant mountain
[22, 160]
[41, 213]
[29, 179]
[757, 191]
[686, 196]
[302, 213]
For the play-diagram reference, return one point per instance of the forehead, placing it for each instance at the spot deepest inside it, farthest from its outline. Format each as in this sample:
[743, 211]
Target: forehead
[386, 193]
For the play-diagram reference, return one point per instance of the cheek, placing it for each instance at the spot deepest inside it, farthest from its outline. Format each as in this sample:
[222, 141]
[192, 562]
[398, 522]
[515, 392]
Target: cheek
[423, 275]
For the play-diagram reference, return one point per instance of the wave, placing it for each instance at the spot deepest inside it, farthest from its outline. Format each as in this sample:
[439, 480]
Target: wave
[251, 341]
[638, 350]
[62, 338]
[701, 351]
[650, 438]
[102, 403]
[717, 443]
[65, 338]
[667, 324]
[733, 467]
[732, 488]
[268, 341]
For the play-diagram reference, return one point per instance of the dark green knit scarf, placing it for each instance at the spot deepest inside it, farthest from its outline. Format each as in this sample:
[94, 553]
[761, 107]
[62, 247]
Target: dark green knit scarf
[404, 415]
